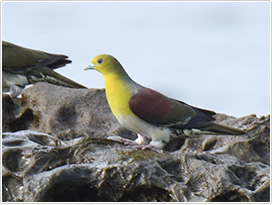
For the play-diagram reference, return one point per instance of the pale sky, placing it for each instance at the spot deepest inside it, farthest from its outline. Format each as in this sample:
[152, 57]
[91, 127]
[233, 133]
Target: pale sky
[212, 55]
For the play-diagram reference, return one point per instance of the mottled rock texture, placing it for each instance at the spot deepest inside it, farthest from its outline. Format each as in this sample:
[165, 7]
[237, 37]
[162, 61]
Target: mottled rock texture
[55, 149]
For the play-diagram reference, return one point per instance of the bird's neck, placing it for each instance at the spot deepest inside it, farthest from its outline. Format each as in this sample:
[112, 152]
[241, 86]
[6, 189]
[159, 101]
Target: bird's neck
[118, 78]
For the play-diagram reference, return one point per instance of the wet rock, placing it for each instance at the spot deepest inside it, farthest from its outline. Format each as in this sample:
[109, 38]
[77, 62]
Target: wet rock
[62, 154]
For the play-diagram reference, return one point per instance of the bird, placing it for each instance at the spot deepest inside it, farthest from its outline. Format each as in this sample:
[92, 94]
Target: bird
[152, 115]
[23, 66]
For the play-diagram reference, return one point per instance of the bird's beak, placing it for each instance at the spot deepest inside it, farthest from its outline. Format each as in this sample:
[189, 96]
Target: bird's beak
[90, 66]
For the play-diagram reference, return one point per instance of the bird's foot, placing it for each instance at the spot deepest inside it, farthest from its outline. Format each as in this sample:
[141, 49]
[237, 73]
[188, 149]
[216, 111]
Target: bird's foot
[130, 142]
[139, 146]
[147, 146]
[136, 144]
[140, 143]
[123, 140]
[15, 91]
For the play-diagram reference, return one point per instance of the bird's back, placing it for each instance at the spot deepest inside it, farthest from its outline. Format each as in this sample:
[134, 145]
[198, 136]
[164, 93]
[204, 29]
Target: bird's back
[18, 59]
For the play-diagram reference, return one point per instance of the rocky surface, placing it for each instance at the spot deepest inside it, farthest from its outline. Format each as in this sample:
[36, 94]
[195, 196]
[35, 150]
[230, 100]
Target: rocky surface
[55, 149]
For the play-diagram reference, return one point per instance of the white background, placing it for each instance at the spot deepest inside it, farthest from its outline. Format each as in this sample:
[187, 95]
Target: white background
[213, 55]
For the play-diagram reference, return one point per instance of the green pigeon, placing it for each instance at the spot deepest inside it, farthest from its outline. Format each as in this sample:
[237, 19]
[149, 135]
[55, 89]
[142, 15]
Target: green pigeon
[23, 66]
[153, 116]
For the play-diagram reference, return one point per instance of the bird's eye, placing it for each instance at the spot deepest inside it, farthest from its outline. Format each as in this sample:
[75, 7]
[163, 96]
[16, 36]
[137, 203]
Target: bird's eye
[99, 60]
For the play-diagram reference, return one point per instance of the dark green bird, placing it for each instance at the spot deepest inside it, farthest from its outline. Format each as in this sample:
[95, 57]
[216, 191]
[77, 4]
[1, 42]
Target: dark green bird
[23, 66]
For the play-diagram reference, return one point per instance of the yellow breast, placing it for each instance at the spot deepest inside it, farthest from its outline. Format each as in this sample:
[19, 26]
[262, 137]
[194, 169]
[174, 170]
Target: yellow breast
[118, 94]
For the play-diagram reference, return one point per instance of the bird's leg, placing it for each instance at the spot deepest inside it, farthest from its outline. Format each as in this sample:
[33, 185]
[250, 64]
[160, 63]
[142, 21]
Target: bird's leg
[155, 145]
[141, 142]
[128, 142]
[123, 140]
[147, 146]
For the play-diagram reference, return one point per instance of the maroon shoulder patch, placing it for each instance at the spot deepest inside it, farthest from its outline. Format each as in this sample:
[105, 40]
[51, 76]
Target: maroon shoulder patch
[151, 105]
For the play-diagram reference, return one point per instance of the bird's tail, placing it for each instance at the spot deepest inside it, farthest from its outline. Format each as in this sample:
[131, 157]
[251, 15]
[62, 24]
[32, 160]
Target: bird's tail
[223, 129]
[50, 76]
[63, 81]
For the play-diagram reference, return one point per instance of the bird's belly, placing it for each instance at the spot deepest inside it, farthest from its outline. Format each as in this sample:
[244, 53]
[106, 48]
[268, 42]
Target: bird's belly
[14, 79]
[137, 125]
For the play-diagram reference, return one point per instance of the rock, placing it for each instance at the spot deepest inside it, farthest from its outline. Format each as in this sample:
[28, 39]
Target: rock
[74, 160]
[62, 112]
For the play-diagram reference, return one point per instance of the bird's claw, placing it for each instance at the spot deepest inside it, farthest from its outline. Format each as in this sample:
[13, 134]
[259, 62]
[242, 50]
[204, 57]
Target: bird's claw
[136, 145]
[147, 146]
[130, 142]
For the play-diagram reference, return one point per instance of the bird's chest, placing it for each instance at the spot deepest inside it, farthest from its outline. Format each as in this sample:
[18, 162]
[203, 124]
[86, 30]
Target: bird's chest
[118, 95]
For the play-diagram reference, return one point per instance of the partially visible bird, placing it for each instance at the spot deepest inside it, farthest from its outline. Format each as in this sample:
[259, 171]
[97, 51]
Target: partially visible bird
[152, 115]
[24, 66]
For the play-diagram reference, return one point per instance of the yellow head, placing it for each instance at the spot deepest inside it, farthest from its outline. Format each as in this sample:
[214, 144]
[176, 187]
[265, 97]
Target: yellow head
[106, 64]
[117, 83]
